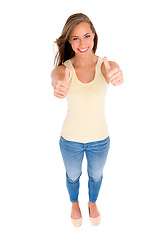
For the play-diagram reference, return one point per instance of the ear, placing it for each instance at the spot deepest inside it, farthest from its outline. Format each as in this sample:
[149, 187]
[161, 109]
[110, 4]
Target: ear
[93, 35]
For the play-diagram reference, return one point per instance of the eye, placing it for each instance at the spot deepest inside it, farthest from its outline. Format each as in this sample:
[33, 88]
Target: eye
[87, 36]
[74, 39]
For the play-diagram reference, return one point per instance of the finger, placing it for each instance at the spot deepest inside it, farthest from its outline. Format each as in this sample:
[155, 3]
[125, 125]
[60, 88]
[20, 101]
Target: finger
[66, 78]
[112, 72]
[115, 75]
[61, 85]
[59, 96]
[116, 80]
[62, 91]
[118, 83]
[106, 63]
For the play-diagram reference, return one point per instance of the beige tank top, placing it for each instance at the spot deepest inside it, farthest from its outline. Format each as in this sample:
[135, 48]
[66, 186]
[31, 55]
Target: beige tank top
[85, 120]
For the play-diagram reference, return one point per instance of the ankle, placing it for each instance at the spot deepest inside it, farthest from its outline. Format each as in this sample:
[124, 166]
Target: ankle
[92, 204]
[93, 210]
[75, 204]
[75, 211]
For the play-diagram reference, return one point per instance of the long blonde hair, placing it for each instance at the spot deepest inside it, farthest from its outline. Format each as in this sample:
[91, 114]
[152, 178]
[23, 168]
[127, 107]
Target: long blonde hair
[65, 51]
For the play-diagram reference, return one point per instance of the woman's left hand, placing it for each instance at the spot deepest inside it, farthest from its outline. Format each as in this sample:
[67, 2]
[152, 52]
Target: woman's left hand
[114, 74]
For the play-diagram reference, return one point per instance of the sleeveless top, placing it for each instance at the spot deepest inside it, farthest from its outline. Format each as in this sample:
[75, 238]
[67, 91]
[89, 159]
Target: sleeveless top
[85, 121]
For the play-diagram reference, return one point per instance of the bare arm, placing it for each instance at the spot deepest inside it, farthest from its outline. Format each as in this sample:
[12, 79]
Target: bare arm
[57, 74]
[60, 81]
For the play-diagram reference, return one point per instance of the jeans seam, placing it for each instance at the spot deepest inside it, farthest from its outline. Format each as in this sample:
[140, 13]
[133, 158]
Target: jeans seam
[91, 193]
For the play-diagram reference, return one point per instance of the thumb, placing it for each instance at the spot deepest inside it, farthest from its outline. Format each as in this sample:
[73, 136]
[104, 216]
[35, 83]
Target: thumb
[106, 63]
[66, 78]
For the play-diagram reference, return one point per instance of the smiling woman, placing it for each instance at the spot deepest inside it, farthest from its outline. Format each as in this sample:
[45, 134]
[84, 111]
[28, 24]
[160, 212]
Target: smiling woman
[83, 78]
[65, 50]
[82, 43]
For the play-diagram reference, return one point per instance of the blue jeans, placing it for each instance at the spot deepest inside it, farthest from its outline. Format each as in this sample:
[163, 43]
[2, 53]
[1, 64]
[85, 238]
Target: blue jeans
[73, 154]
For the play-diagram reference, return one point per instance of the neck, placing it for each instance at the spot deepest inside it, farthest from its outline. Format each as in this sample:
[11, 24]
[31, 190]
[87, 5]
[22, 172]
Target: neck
[84, 61]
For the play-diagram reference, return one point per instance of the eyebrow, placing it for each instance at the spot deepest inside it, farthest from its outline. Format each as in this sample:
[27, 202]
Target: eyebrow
[78, 36]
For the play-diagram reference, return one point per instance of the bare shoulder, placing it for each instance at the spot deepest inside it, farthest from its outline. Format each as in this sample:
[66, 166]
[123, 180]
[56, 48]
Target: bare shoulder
[60, 70]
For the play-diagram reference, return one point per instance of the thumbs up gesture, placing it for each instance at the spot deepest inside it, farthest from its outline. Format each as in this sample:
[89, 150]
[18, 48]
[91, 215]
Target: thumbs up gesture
[62, 86]
[114, 74]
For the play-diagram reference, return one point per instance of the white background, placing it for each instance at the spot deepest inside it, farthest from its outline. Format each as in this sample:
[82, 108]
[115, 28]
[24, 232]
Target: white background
[34, 202]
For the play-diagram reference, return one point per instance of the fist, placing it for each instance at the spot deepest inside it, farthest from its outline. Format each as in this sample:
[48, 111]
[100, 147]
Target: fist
[62, 86]
[114, 74]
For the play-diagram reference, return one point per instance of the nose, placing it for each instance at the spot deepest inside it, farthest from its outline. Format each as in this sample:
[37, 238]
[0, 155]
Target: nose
[82, 43]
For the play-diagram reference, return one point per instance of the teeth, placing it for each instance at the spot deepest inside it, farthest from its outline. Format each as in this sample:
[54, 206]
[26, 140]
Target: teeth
[83, 50]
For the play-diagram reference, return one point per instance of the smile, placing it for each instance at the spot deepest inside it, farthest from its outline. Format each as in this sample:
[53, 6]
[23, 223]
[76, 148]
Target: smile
[83, 50]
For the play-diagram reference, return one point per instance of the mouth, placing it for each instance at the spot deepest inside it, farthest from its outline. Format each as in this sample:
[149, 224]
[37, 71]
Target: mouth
[83, 50]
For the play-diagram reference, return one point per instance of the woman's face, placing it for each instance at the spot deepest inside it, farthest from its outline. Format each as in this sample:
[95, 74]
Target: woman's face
[81, 39]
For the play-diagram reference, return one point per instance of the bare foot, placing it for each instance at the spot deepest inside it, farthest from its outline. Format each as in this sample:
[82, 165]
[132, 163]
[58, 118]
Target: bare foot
[75, 212]
[94, 212]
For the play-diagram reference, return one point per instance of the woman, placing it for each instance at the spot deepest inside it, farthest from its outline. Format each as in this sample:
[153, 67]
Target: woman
[83, 78]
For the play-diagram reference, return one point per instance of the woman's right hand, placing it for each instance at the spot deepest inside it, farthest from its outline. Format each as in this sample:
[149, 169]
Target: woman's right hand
[62, 86]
